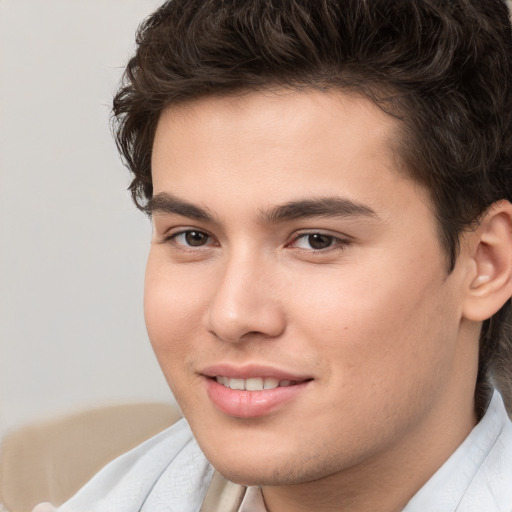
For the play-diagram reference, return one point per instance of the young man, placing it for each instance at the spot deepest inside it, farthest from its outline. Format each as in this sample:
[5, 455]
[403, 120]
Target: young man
[328, 287]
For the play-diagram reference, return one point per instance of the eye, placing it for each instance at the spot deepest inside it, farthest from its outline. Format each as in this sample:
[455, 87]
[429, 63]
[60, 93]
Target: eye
[317, 241]
[191, 238]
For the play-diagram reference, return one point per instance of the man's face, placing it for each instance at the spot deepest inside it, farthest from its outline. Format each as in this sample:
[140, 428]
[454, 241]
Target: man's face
[289, 251]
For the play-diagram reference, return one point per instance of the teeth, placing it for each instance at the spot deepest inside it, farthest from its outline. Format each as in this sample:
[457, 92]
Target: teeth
[270, 383]
[253, 384]
[237, 383]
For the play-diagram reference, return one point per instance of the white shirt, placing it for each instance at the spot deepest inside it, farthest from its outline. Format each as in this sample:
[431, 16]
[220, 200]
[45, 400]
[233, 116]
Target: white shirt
[169, 473]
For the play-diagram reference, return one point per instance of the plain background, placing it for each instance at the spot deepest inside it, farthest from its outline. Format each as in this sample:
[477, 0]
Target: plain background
[72, 245]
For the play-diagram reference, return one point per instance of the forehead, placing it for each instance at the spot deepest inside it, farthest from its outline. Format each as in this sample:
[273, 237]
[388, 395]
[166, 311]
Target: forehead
[281, 118]
[277, 144]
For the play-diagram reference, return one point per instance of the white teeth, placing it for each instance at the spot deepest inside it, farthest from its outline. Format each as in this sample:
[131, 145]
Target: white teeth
[237, 383]
[270, 383]
[253, 384]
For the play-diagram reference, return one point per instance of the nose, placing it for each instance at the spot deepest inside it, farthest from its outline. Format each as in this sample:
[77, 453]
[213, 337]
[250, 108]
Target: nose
[246, 303]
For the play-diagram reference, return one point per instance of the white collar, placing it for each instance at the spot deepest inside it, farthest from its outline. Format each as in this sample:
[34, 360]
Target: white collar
[253, 501]
[478, 475]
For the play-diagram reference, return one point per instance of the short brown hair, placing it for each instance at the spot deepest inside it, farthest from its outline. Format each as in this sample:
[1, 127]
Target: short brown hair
[444, 68]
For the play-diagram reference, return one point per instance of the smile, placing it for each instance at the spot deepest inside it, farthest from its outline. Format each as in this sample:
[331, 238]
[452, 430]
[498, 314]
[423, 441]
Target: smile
[253, 397]
[254, 384]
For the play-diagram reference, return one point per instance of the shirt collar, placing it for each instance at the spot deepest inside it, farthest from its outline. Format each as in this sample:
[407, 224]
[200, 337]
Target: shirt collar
[253, 501]
[470, 478]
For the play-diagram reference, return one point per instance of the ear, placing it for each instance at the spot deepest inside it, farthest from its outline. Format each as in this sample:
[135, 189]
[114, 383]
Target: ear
[490, 279]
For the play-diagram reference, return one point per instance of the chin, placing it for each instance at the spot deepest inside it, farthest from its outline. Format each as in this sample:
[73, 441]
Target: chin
[246, 468]
[272, 469]
[250, 475]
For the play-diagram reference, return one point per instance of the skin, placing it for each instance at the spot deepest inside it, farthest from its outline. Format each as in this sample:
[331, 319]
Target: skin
[372, 318]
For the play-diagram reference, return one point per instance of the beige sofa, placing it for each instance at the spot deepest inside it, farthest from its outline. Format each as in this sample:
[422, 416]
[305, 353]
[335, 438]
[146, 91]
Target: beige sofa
[50, 461]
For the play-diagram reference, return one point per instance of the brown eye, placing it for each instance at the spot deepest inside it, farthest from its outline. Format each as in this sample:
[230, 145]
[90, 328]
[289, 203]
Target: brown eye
[191, 238]
[319, 241]
[195, 238]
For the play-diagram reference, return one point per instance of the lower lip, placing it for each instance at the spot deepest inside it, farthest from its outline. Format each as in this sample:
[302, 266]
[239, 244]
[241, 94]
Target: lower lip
[250, 404]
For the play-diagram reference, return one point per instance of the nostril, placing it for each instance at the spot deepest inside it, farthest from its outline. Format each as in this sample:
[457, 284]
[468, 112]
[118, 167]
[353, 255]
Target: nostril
[251, 334]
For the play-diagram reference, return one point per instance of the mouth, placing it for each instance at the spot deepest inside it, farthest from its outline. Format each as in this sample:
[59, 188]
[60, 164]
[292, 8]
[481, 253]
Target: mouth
[255, 383]
[254, 391]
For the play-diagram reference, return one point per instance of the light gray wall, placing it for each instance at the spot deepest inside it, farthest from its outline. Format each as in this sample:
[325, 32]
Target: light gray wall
[72, 246]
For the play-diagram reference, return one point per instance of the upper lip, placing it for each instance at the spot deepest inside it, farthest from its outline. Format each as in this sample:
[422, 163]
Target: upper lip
[252, 371]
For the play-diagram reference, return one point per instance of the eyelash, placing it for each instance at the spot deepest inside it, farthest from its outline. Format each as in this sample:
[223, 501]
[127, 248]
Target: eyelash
[174, 236]
[335, 243]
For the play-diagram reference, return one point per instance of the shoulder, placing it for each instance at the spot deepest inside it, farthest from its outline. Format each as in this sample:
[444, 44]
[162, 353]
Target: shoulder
[168, 468]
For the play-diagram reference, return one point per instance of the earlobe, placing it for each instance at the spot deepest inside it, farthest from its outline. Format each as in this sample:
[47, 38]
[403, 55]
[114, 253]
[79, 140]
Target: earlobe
[490, 284]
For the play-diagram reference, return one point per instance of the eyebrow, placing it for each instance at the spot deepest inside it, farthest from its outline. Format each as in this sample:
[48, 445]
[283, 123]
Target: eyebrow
[294, 210]
[167, 203]
[321, 207]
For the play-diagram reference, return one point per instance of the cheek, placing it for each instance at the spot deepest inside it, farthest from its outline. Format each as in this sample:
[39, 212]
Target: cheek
[380, 326]
[170, 318]
[172, 309]
[385, 346]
